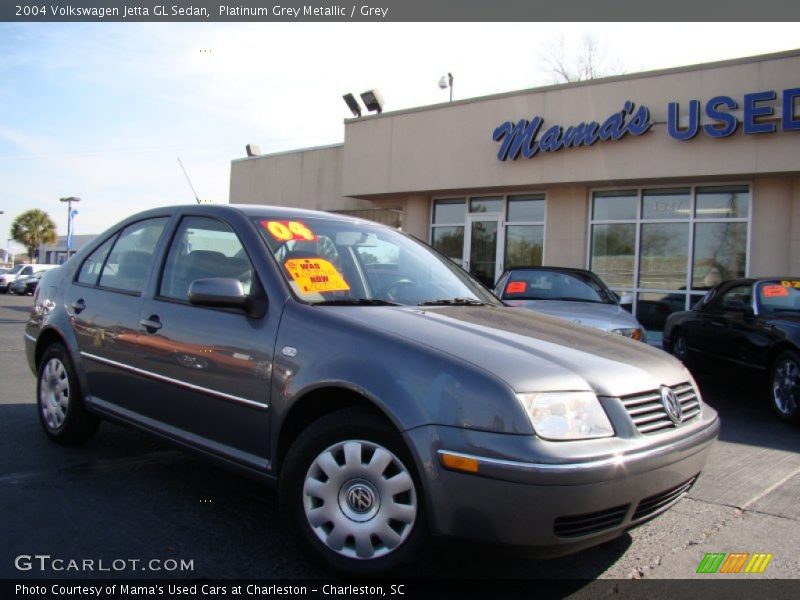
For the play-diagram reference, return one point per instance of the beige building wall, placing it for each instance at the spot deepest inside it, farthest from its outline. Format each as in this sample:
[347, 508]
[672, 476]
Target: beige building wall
[303, 179]
[566, 227]
[450, 146]
[794, 247]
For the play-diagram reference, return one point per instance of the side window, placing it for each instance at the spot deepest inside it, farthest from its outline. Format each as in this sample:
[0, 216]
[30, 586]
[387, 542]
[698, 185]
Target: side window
[203, 248]
[737, 298]
[130, 258]
[90, 269]
[26, 272]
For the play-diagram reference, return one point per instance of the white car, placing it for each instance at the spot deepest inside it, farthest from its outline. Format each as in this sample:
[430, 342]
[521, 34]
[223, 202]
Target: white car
[21, 271]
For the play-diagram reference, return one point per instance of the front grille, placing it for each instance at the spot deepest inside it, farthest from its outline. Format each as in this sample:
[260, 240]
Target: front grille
[578, 525]
[655, 504]
[647, 411]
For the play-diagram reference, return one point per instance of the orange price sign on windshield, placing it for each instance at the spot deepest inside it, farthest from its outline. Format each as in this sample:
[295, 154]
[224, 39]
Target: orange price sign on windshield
[774, 291]
[283, 231]
[315, 275]
[516, 287]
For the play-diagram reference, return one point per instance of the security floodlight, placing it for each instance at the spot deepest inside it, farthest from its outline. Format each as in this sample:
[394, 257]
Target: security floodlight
[352, 104]
[253, 149]
[446, 81]
[373, 101]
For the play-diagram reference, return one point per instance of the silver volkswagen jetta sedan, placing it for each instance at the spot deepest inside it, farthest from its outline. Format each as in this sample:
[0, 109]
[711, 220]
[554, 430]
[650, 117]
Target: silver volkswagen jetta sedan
[383, 391]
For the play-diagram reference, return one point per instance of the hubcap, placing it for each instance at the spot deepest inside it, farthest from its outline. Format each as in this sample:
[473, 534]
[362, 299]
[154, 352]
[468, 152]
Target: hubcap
[54, 393]
[786, 386]
[360, 499]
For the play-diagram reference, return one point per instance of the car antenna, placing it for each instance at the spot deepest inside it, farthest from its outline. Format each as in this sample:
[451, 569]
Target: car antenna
[188, 180]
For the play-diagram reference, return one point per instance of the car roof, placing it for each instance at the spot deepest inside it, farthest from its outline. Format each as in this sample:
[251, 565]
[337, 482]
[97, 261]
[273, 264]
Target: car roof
[249, 210]
[555, 269]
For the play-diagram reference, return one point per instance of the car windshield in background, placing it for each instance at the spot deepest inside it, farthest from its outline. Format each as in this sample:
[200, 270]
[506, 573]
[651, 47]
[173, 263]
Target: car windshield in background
[780, 295]
[331, 261]
[531, 284]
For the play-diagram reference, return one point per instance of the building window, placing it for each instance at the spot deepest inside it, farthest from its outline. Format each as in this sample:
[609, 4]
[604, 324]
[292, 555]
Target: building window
[667, 246]
[486, 234]
[447, 229]
[524, 239]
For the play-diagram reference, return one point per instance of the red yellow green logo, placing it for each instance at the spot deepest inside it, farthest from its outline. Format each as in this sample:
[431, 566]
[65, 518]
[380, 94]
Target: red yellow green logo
[735, 562]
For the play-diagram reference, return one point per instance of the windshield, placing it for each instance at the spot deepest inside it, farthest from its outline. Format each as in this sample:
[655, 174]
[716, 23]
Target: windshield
[17, 269]
[779, 295]
[339, 261]
[532, 284]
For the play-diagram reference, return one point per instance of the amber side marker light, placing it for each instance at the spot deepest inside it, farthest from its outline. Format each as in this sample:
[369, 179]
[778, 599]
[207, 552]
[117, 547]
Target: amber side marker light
[459, 463]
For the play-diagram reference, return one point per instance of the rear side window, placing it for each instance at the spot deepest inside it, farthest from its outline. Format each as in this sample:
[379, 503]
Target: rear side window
[129, 261]
[204, 248]
[90, 269]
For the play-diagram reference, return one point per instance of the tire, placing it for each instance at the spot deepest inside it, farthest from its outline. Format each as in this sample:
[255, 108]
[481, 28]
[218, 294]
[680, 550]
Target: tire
[62, 412]
[679, 348]
[357, 465]
[784, 386]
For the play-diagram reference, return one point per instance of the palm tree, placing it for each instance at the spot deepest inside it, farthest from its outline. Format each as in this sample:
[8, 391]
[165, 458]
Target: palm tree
[33, 228]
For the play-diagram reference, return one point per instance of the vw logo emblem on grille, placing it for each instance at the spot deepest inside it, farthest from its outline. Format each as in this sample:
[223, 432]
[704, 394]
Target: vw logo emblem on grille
[672, 405]
[360, 498]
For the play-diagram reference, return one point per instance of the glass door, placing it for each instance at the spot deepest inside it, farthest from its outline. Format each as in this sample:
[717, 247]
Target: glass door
[481, 247]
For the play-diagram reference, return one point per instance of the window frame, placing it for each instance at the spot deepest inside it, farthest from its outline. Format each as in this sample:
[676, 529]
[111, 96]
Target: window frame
[256, 288]
[692, 295]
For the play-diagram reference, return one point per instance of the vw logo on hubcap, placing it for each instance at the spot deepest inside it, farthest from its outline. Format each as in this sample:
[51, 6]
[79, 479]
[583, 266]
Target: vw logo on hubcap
[671, 404]
[360, 498]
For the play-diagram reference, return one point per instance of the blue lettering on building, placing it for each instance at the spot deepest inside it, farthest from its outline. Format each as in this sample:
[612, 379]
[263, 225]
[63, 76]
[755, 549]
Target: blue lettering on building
[521, 138]
[758, 115]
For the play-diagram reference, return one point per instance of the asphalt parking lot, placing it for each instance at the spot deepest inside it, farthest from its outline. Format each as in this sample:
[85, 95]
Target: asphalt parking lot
[126, 495]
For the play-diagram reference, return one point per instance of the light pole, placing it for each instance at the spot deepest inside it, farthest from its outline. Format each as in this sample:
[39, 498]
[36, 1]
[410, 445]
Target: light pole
[8, 252]
[69, 200]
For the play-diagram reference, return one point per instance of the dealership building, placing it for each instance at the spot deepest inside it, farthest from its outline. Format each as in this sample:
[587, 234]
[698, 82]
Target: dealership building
[663, 182]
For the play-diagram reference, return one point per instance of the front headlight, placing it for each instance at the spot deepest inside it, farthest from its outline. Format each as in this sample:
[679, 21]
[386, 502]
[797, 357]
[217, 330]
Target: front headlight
[634, 333]
[566, 415]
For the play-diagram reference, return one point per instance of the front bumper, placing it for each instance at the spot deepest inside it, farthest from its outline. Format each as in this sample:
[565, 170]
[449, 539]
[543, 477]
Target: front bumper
[555, 508]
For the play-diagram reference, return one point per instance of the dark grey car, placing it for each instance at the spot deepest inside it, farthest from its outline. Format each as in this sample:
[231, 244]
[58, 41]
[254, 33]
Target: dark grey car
[386, 393]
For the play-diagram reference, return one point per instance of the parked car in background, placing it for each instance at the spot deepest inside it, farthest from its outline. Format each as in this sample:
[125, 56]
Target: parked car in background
[577, 295]
[750, 323]
[25, 286]
[21, 271]
[381, 388]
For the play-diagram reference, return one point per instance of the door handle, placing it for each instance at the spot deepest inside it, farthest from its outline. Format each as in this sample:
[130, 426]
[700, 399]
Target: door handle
[79, 306]
[151, 324]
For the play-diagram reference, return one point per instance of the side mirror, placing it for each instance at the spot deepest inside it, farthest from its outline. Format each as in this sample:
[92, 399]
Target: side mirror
[217, 292]
[734, 306]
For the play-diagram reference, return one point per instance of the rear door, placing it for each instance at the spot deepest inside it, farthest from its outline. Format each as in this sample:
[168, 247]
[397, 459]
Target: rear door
[211, 368]
[104, 302]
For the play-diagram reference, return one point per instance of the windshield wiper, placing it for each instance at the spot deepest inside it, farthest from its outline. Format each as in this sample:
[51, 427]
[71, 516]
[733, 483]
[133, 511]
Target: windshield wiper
[452, 302]
[356, 302]
[573, 299]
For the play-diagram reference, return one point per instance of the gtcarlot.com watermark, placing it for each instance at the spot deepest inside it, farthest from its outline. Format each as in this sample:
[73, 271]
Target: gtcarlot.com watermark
[44, 563]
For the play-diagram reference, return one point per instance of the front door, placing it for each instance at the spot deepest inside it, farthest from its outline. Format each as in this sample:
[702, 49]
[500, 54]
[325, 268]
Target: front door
[482, 244]
[213, 365]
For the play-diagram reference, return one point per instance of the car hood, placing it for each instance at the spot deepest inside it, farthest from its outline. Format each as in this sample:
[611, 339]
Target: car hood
[602, 316]
[530, 351]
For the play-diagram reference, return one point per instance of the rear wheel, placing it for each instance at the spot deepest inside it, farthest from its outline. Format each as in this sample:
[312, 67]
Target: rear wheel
[350, 491]
[785, 386]
[61, 410]
[679, 347]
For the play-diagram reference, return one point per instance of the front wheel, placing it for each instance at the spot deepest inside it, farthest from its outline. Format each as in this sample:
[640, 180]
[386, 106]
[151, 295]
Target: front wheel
[785, 386]
[61, 410]
[350, 491]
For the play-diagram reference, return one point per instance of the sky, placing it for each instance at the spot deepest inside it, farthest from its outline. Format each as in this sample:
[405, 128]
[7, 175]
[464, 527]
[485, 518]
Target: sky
[103, 110]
